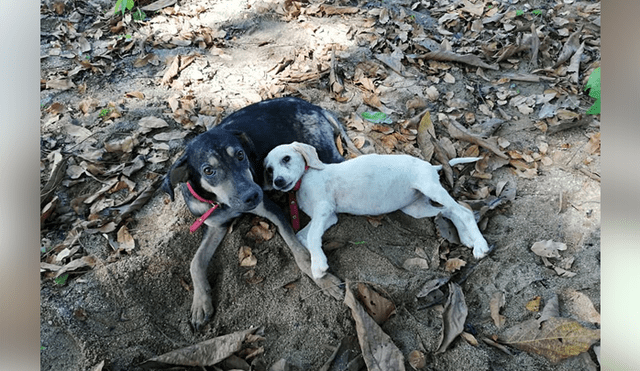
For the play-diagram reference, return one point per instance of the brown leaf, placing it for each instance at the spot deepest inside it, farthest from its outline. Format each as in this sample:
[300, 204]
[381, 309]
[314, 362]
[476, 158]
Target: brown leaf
[378, 307]
[417, 360]
[125, 240]
[62, 84]
[454, 264]
[580, 305]
[454, 316]
[533, 305]
[246, 257]
[206, 353]
[172, 71]
[378, 351]
[548, 248]
[570, 47]
[457, 131]
[557, 338]
[497, 301]
[260, 232]
[135, 94]
[443, 55]
[426, 131]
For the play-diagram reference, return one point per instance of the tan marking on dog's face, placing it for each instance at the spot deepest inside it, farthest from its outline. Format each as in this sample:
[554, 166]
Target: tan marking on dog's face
[213, 161]
[231, 151]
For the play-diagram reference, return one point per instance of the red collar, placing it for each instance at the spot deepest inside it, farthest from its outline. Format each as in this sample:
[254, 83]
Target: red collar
[204, 216]
[293, 204]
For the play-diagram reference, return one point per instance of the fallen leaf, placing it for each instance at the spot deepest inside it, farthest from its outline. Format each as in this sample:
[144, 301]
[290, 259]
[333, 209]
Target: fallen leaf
[447, 229]
[454, 264]
[432, 285]
[135, 94]
[496, 303]
[453, 317]
[548, 248]
[246, 257]
[533, 305]
[469, 338]
[205, 353]
[149, 123]
[260, 232]
[557, 339]
[415, 263]
[426, 131]
[580, 305]
[378, 307]
[417, 360]
[378, 351]
[125, 240]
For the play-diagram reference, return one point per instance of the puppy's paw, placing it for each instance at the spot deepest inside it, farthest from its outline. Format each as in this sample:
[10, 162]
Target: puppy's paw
[480, 248]
[318, 267]
[331, 285]
[201, 311]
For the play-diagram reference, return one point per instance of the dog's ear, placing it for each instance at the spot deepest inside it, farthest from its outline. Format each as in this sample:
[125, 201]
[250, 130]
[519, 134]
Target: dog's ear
[309, 153]
[178, 173]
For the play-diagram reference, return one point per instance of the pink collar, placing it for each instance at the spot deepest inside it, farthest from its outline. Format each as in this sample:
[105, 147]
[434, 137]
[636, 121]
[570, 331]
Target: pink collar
[204, 216]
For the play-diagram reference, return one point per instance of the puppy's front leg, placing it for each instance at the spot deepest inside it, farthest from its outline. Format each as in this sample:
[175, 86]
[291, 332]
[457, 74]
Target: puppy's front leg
[323, 218]
[201, 307]
[329, 284]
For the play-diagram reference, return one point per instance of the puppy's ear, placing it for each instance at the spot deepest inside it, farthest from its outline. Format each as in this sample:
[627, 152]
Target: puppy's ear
[309, 153]
[178, 173]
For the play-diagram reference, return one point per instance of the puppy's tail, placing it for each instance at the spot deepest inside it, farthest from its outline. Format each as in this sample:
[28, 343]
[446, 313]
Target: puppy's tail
[338, 128]
[459, 160]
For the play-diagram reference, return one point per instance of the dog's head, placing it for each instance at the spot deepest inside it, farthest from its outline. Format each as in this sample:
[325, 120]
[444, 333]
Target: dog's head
[216, 164]
[285, 165]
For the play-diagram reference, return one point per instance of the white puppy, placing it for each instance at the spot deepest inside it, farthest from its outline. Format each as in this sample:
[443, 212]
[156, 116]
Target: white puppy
[366, 185]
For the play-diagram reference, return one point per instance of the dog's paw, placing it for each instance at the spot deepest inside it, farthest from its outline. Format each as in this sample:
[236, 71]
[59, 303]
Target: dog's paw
[201, 311]
[331, 285]
[318, 267]
[480, 248]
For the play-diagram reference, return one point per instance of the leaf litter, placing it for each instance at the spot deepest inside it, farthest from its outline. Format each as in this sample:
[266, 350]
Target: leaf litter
[114, 173]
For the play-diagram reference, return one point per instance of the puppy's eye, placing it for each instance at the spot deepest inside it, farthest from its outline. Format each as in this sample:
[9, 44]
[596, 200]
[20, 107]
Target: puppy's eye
[240, 155]
[286, 159]
[208, 170]
[269, 171]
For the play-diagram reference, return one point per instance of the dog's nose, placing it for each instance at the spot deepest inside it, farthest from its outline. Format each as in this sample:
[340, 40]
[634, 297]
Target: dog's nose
[279, 182]
[252, 199]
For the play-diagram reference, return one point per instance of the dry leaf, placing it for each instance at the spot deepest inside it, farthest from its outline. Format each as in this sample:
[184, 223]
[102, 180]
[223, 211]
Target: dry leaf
[454, 316]
[378, 351]
[135, 94]
[469, 338]
[454, 264]
[580, 305]
[557, 338]
[497, 302]
[432, 285]
[378, 307]
[417, 360]
[125, 240]
[260, 232]
[206, 353]
[246, 257]
[548, 248]
[149, 123]
[426, 131]
[415, 263]
[534, 304]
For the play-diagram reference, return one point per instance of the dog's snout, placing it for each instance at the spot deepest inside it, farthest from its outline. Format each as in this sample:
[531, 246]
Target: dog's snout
[253, 199]
[279, 182]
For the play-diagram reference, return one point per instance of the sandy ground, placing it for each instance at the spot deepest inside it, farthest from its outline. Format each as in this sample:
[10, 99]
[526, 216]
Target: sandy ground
[133, 307]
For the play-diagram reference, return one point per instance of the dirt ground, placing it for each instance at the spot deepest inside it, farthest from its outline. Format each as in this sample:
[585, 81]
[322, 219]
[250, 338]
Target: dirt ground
[127, 305]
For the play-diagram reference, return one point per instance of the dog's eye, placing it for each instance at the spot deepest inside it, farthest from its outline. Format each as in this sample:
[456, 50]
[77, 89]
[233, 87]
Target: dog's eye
[286, 159]
[240, 155]
[208, 170]
[269, 171]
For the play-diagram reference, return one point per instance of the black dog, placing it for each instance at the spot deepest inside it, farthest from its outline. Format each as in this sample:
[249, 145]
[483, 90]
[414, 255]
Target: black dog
[221, 169]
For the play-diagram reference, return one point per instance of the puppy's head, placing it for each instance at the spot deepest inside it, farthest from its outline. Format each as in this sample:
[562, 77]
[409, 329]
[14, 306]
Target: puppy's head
[216, 165]
[285, 165]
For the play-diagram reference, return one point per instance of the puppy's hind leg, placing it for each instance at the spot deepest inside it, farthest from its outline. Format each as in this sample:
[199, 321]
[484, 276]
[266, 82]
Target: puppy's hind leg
[330, 284]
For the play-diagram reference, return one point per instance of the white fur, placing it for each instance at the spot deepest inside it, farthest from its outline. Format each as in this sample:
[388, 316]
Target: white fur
[366, 185]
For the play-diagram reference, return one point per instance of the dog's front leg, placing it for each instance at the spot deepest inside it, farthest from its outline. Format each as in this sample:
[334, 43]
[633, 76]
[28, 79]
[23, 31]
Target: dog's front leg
[329, 283]
[202, 307]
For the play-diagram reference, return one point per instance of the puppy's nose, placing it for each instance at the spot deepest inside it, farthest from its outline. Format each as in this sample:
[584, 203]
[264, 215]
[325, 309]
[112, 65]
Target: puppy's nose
[279, 182]
[252, 199]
